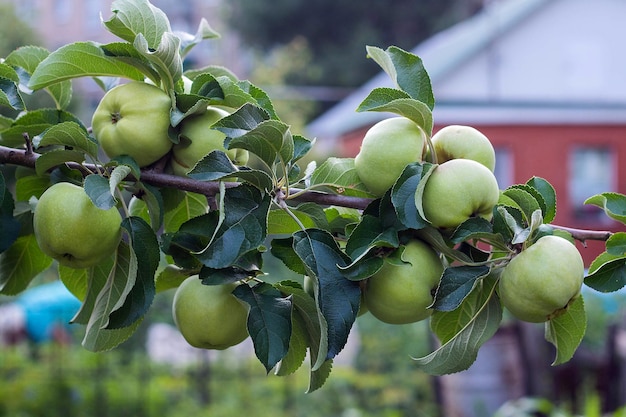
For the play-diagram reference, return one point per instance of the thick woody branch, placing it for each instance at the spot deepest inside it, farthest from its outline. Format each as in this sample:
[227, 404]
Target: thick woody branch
[22, 157]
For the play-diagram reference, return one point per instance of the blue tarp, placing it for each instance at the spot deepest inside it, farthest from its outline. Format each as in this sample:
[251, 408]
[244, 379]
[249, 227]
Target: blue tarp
[46, 306]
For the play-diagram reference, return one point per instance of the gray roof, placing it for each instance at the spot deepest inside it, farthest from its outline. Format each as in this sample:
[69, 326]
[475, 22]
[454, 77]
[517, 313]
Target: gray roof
[517, 61]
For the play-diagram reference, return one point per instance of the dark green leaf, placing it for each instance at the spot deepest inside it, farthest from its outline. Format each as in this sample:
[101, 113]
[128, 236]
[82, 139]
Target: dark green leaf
[244, 227]
[457, 282]
[608, 273]
[269, 321]
[403, 195]
[16, 273]
[370, 233]
[98, 190]
[9, 226]
[338, 298]
[283, 250]
[10, 95]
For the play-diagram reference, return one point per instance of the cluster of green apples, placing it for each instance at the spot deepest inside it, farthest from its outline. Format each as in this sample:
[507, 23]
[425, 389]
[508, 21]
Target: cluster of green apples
[134, 119]
[538, 283]
[131, 119]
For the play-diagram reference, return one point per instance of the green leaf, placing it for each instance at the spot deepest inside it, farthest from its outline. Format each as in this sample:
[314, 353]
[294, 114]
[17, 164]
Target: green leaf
[98, 190]
[170, 277]
[244, 227]
[270, 140]
[69, 134]
[20, 263]
[203, 32]
[165, 58]
[338, 298]
[305, 327]
[80, 59]
[298, 344]
[371, 232]
[549, 197]
[51, 159]
[30, 186]
[10, 95]
[86, 285]
[526, 201]
[566, 331]
[616, 244]
[457, 282]
[463, 331]
[410, 108]
[213, 166]
[613, 204]
[269, 321]
[280, 222]
[608, 273]
[9, 226]
[27, 58]
[338, 175]
[404, 192]
[146, 248]
[319, 376]
[283, 249]
[111, 297]
[406, 70]
[191, 205]
[133, 17]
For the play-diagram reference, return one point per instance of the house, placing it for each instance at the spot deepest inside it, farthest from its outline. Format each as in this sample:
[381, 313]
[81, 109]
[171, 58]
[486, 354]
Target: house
[544, 80]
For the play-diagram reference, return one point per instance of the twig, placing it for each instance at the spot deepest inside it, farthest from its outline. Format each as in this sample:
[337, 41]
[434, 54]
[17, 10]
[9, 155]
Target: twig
[210, 189]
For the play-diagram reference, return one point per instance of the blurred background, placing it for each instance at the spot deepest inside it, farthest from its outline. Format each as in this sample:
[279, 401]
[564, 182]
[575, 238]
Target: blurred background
[543, 79]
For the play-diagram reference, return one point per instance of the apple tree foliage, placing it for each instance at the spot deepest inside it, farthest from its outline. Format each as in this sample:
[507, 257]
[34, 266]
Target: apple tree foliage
[319, 221]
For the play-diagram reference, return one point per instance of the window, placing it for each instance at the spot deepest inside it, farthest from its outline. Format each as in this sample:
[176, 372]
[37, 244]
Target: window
[591, 171]
[504, 167]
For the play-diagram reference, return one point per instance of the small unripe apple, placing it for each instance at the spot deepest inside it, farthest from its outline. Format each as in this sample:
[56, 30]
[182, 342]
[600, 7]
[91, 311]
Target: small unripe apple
[209, 316]
[458, 190]
[387, 148]
[401, 293]
[134, 119]
[71, 229]
[459, 141]
[198, 139]
[539, 282]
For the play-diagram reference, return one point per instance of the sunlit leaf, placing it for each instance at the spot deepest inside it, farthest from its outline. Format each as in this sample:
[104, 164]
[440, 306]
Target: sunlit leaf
[566, 331]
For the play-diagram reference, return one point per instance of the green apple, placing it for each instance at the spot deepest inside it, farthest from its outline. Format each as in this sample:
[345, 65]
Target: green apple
[133, 119]
[209, 316]
[71, 229]
[459, 141]
[540, 282]
[401, 292]
[387, 148]
[197, 139]
[458, 190]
